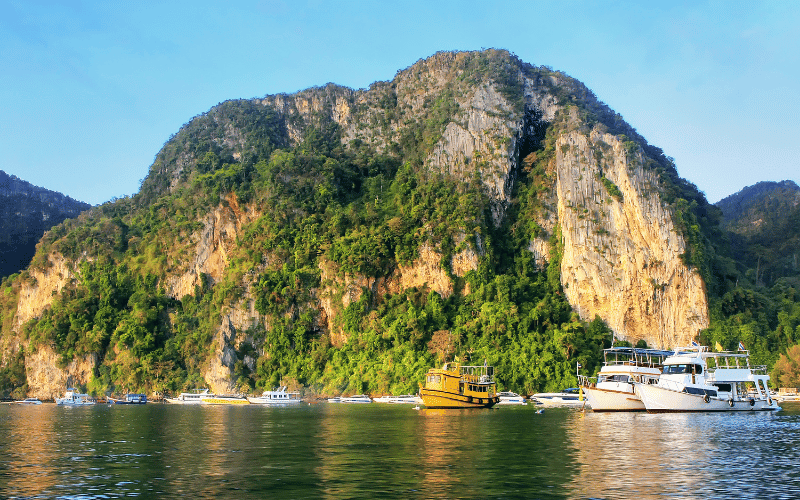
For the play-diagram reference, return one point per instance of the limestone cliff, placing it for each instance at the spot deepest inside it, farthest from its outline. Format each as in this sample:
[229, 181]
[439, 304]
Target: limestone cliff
[621, 251]
[472, 120]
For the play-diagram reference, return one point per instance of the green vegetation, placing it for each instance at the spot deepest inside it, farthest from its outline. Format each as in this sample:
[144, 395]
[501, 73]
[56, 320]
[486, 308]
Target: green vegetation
[326, 216]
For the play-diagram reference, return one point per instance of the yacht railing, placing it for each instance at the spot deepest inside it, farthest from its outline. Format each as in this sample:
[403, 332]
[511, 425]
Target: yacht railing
[477, 374]
[585, 381]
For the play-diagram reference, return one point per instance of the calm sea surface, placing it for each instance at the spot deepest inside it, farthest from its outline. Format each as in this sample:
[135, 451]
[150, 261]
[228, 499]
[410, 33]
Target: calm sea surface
[393, 451]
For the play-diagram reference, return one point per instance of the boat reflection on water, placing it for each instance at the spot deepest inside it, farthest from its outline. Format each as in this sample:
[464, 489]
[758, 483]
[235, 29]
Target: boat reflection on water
[638, 455]
[451, 468]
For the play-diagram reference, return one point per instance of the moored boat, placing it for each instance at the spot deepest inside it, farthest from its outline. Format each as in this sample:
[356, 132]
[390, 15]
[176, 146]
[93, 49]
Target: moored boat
[510, 398]
[613, 388]
[129, 399]
[190, 398]
[567, 397]
[277, 396]
[457, 386]
[74, 398]
[696, 380]
[224, 399]
[402, 399]
[29, 401]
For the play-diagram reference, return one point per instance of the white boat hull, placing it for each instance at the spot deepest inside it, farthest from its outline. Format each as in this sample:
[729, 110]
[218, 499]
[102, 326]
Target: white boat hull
[662, 400]
[619, 398]
[270, 401]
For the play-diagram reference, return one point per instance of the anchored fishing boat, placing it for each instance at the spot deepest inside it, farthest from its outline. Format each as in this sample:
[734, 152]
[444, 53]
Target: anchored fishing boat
[457, 386]
[696, 380]
[612, 389]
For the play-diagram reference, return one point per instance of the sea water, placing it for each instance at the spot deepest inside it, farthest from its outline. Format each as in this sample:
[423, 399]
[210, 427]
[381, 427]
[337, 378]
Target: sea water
[393, 451]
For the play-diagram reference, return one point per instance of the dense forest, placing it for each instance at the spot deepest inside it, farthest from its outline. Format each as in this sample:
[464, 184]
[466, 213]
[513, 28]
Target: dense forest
[355, 210]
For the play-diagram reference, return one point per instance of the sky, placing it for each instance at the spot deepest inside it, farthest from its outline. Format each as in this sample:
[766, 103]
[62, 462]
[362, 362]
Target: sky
[90, 91]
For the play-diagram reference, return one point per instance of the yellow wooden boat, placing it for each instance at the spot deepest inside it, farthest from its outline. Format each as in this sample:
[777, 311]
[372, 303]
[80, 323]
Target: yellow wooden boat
[457, 386]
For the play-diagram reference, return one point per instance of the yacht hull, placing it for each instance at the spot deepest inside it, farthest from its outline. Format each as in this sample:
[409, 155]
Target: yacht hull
[662, 400]
[613, 399]
[437, 399]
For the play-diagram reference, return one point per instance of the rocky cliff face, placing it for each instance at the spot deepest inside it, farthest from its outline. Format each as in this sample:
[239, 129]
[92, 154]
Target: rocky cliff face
[620, 248]
[621, 251]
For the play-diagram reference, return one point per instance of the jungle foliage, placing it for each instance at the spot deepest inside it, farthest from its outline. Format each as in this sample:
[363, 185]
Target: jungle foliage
[329, 212]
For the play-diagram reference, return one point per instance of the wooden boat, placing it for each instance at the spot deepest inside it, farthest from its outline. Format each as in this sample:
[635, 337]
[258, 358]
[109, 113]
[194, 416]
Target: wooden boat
[457, 386]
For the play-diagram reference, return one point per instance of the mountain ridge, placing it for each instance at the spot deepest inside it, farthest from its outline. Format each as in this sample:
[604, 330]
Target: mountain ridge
[346, 240]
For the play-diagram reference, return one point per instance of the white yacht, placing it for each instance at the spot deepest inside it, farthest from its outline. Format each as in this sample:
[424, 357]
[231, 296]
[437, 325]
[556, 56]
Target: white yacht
[191, 398]
[277, 396]
[29, 401]
[510, 398]
[359, 398]
[402, 399]
[613, 389]
[694, 379]
[74, 398]
[567, 397]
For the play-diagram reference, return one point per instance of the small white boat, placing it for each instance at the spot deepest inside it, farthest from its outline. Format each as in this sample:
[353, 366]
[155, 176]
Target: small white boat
[786, 396]
[277, 396]
[359, 398]
[402, 399]
[74, 398]
[29, 401]
[510, 398]
[613, 390]
[567, 397]
[696, 380]
[129, 399]
[190, 398]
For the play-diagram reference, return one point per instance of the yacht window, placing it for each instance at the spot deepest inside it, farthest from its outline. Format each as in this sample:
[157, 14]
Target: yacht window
[724, 387]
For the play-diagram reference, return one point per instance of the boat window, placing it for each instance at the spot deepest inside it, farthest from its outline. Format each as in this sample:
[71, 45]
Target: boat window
[724, 387]
[676, 369]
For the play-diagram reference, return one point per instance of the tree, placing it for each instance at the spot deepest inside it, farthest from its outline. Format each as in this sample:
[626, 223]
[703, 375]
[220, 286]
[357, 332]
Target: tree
[787, 369]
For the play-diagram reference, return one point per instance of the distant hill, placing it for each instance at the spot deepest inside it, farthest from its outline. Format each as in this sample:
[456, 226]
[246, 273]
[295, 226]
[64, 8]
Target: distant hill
[763, 221]
[26, 212]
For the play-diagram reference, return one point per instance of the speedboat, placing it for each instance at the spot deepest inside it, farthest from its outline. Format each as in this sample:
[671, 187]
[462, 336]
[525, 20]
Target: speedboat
[29, 401]
[694, 379]
[74, 398]
[457, 386]
[191, 398]
[402, 399]
[613, 390]
[567, 397]
[129, 399]
[277, 396]
[358, 398]
[510, 398]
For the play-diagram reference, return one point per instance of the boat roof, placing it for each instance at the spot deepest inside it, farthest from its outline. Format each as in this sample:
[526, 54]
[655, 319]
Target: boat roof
[638, 351]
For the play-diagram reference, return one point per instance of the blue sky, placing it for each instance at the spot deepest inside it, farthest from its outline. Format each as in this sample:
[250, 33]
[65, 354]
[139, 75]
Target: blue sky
[90, 91]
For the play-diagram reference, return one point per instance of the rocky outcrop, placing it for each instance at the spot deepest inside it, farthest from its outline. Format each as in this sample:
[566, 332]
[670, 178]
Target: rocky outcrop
[621, 251]
[41, 287]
